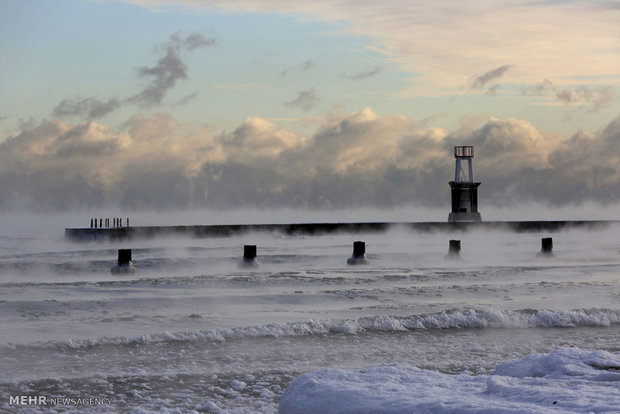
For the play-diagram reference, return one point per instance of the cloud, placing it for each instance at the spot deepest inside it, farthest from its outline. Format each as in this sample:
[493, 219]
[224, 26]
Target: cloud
[357, 141]
[588, 162]
[540, 89]
[302, 67]
[594, 98]
[365, 74]
[351, 160]
[194, 41]
[256, 141]
[88, 108]
[305, 100]
[169, 69]
[478, 82]
[164, 75]
[507, 146]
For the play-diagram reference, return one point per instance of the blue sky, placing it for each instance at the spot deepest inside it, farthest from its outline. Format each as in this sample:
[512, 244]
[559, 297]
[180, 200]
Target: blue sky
[276, 78]
[60, 49]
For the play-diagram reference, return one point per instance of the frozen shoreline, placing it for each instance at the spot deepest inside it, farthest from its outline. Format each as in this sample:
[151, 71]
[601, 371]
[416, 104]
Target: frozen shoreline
[567, 380]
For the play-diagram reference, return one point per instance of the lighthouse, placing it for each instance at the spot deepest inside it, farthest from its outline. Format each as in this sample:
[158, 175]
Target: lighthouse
[464, 189]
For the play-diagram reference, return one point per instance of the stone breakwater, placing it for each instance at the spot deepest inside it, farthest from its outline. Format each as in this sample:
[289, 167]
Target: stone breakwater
[224, 230]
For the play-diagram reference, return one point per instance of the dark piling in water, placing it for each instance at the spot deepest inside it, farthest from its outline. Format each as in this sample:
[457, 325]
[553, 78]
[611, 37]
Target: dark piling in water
[454, 249]
[359, 253]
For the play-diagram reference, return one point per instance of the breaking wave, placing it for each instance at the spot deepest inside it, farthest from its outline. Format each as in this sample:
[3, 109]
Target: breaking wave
[451, 319]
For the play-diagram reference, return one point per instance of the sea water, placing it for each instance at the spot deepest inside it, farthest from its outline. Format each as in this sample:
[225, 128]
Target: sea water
[411, 331]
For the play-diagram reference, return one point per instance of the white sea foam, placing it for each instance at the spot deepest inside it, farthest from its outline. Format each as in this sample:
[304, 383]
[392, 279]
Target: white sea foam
[456, 319]
[567, 380]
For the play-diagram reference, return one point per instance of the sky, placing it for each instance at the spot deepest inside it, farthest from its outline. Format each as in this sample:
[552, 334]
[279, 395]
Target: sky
[165, 105]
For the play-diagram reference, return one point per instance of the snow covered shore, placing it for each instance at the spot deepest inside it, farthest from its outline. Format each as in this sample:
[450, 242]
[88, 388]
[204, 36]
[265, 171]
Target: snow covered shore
[568, 380]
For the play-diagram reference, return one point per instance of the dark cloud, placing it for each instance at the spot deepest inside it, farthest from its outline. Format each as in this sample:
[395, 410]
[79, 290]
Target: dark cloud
[163, 76]
[478, 82]
[168, 70]
[88, 108]
[305, 100]
[302, 67]
[353, 160]
[196, 40]
[365, 74]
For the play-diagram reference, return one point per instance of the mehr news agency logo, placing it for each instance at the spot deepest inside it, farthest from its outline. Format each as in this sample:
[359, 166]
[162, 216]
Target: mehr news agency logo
[42, 400]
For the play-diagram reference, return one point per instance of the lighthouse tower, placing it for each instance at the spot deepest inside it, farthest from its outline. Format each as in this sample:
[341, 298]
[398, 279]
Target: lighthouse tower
[464, 189]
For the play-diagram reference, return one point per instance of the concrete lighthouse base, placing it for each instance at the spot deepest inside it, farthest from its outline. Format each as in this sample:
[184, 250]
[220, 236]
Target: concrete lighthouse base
[469, 217]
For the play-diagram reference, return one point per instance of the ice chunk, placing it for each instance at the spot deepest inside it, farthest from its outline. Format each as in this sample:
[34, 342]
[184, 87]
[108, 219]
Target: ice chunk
[567, 380]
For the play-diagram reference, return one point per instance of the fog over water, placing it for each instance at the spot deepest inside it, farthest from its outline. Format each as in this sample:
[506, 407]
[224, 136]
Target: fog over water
[22, 223]
[192, 330]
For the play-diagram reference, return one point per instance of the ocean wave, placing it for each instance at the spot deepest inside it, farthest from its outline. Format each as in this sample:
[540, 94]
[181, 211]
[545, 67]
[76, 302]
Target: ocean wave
[450, 319]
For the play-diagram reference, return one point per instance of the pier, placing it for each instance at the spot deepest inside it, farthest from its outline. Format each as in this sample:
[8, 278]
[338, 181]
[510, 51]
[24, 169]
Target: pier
[227, 230]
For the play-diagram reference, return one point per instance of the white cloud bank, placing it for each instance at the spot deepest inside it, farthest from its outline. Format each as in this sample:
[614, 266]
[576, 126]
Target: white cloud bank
[352, 160]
